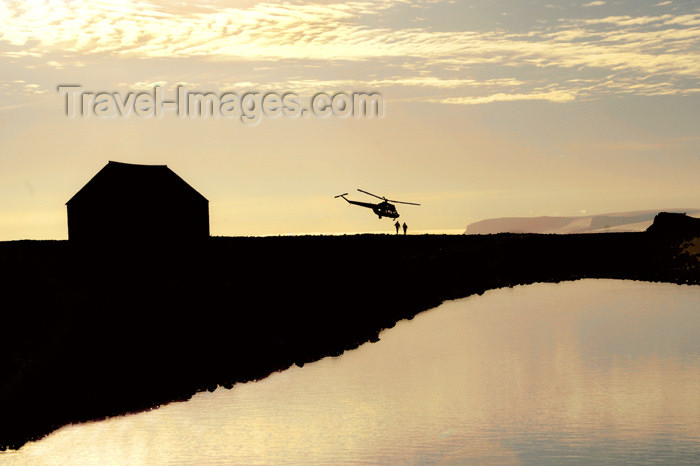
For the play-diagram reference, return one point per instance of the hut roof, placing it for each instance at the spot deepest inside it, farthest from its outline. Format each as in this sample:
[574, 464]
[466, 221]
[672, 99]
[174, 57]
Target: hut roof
[128, 181]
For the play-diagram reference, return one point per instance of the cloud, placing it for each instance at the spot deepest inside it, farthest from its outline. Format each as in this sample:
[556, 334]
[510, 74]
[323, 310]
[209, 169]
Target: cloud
[648, 53]
[594, 3]
[551, 96]
[20, 87]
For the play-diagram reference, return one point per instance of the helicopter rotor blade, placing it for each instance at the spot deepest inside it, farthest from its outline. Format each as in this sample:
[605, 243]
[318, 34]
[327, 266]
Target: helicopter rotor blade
[402, 202]
[378, 197]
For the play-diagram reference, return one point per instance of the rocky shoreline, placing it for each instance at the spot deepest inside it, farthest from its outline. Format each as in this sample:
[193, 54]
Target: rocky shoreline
[102, 330]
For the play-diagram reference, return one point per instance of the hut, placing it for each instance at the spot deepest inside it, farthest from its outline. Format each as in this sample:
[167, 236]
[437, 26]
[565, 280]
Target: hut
[130, 202]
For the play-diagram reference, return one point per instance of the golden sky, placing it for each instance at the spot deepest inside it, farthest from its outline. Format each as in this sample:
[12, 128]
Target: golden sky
[492, 108]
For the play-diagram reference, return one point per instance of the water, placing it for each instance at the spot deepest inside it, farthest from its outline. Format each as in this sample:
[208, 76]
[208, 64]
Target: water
[594, 371]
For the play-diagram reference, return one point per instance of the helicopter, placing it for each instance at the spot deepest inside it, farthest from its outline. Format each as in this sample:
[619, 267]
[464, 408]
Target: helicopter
[381, 209]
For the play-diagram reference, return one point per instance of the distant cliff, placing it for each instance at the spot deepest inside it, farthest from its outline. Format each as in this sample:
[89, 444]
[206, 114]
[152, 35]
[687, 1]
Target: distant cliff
[619, 222]
[675, 224]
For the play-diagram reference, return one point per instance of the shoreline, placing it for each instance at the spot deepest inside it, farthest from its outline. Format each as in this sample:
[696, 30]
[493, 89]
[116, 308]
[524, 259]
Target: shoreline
[105, 331]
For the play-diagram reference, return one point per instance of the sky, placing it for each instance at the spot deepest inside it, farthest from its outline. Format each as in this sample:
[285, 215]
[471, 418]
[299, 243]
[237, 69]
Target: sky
[491, 108]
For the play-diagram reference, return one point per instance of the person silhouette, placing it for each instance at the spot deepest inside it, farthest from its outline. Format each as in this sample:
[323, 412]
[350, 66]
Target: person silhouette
[405, 227]
[397, 225]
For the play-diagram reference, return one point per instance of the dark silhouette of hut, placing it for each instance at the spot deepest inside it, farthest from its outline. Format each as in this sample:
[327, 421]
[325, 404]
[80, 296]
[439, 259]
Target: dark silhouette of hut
[129, 202]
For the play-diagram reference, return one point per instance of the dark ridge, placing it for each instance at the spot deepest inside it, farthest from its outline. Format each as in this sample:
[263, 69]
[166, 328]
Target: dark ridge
[98, 330]
[676, 225]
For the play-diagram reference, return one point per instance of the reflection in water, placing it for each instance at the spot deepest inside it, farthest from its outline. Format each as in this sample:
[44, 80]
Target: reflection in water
[595, 371]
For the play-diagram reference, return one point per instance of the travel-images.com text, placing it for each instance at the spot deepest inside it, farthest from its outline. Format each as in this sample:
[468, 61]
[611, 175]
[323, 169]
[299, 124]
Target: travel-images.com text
[249, 107]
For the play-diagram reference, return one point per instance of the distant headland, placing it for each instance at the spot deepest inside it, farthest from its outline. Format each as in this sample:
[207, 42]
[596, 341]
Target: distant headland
[638, 220]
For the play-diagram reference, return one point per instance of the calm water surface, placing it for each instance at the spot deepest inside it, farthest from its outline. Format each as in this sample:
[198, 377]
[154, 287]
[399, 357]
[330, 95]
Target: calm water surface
[593, 371]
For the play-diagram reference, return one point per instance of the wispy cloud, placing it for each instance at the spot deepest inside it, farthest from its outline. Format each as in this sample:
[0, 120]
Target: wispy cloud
[551, 96]
[20, 87]
[648, 54]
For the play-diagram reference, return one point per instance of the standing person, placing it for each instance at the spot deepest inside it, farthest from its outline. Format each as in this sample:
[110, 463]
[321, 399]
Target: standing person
[405, 227]
[397, 225]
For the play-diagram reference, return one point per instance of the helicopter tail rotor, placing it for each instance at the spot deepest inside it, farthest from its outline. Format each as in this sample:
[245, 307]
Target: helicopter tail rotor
[340, 195]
